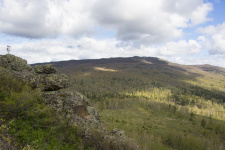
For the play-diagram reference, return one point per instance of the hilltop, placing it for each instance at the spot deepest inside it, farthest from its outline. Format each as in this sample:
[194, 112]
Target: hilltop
[162, 105]
[39, 110]
[148, 72]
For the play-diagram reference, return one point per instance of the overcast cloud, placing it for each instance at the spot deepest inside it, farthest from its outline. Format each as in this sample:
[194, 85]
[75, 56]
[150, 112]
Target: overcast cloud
[55, 30]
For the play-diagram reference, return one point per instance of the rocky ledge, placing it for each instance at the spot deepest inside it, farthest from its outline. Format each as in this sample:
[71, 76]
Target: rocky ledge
[54, 88]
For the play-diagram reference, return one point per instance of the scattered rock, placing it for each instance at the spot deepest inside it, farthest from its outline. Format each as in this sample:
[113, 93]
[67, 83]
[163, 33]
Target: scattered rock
[118, 132]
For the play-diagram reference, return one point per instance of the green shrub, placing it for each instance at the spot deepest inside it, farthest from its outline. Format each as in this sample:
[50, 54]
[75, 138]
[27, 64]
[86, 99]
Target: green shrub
[9, 84]
[203, 122]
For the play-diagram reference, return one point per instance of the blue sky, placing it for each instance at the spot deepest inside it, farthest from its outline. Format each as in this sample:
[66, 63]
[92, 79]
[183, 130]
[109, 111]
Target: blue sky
[182, 31]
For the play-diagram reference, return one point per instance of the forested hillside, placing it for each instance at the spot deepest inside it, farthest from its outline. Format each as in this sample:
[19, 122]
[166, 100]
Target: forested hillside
[160, 104]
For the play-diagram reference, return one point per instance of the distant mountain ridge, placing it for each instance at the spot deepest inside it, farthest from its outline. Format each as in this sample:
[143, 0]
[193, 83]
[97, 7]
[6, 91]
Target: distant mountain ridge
[135, 59]
[122, 59]
[161, 71]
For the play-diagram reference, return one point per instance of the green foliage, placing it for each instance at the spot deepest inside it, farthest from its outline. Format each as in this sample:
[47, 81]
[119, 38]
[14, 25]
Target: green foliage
[192, 116]
[44, 136]
[203, 123]
[155, 125]
[5, 139]
[20, 104]
[32, 124]
[99, 142]
[8, 83]
[29, 124]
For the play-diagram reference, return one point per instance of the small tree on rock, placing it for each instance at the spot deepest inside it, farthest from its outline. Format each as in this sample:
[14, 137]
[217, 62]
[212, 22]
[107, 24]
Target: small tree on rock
[8, 49]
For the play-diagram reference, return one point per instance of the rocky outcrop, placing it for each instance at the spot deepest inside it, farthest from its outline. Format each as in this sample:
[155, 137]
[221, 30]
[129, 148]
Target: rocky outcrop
[19, 68]
[14, 63]
[72, 105]
[54, 88]
[45, 69]
[50, 81]
[53, 82]
[69, 104]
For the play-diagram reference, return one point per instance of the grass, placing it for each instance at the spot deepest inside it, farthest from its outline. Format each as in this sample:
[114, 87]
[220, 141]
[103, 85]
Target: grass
[158, 126]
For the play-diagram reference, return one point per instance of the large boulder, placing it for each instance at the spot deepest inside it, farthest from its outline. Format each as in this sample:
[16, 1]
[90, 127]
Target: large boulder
[45, 69]
[53, 82]
[14, 63]
[72, 105]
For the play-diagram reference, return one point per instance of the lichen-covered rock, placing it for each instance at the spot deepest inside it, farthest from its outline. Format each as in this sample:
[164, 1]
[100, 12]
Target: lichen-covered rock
[19, 68]
[28, 77]
[118, 132]
[93, 113]
[53, 82]
[45, 69]
[14, 63]
[72, 105]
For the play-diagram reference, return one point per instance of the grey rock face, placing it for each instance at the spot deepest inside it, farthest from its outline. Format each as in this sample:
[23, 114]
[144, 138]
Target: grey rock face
[45, 69]
[71, 104]
[53, 82]
[14, 63]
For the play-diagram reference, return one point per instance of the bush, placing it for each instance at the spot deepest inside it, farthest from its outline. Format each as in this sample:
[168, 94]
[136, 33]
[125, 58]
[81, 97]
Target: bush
[9, 84]
[203, 122]
[185, 142]
[31, 123]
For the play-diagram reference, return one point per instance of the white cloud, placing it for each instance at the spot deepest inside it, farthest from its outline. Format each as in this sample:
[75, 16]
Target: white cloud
[199, 15]
[195, 11]
[89, 48]
[180, 48]
[150, 22]
[214, 38]
[199, 60]
[137, 22]
[46, 18]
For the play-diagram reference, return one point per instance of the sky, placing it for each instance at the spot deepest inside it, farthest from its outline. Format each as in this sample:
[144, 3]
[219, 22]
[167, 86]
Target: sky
[181, 31]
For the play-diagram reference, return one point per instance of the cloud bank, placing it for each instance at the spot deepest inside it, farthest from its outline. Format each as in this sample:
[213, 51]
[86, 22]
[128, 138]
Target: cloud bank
[79, 29]
[137, 22]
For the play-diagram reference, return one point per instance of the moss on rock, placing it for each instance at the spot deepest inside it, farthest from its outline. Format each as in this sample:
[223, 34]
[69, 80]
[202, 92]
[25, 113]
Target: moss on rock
[45, 69]
[14, 63]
